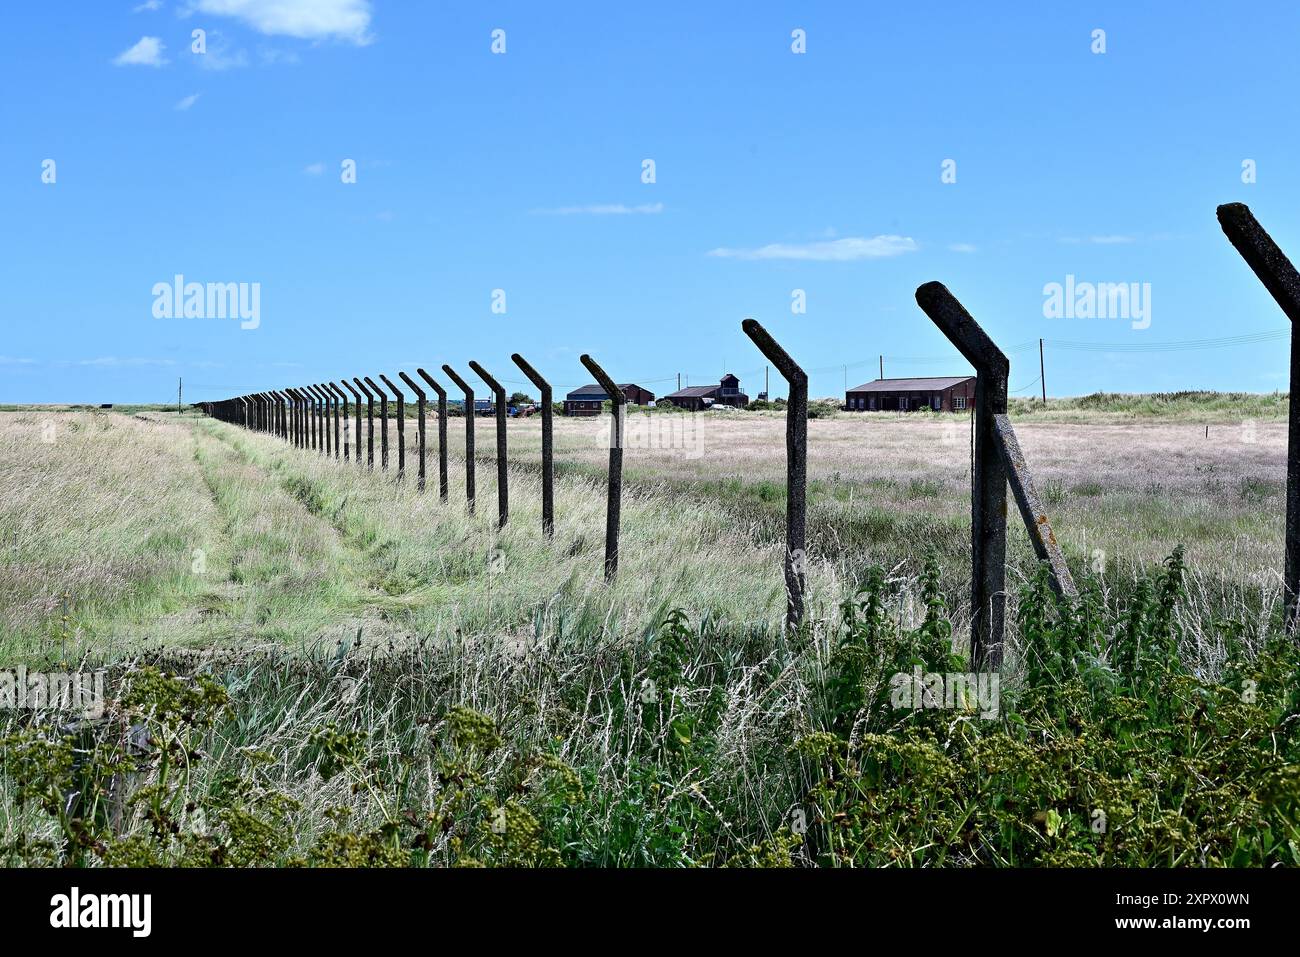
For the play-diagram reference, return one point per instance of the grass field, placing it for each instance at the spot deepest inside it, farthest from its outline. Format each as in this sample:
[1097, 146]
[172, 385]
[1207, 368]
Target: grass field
[384, 654]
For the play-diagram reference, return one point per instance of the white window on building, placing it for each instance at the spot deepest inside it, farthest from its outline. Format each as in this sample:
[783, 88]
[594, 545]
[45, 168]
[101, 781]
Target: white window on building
[959, 402]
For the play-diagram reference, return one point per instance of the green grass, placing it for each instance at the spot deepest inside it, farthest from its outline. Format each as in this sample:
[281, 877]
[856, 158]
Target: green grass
[370, 676]
[691, 744]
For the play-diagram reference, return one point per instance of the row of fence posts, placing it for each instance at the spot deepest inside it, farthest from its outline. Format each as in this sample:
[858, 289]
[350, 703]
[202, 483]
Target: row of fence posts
[302, 416]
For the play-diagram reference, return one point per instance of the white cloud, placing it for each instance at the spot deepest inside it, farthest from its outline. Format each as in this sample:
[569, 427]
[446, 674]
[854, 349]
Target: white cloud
[837, 250]
[148, 52]
[963, 248]
[605, 209]
[147, 5]
[11, 361]
[188, 101]
[315, 169]
[305, 19]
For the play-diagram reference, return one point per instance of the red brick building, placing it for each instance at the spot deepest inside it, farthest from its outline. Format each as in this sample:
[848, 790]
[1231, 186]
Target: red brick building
[941, 394]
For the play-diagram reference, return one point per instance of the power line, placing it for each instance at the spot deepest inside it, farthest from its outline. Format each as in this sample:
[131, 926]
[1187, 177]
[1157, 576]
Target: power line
[1178, 345]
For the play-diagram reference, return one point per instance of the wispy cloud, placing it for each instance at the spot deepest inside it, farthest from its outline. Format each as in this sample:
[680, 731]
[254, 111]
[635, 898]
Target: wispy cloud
[147, 5]
[187, 102]
[347, 20]
[314, 169]
[963, 248]
[604, 209]
[848, 249]
[11, 361]
[147, 52]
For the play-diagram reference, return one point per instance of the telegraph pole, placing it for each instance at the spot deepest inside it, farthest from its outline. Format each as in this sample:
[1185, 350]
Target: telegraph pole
[882, 367]
[1042, 376]
[179, 383]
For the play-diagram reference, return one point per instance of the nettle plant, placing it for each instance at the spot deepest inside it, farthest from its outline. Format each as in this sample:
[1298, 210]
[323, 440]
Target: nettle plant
[1109, 753]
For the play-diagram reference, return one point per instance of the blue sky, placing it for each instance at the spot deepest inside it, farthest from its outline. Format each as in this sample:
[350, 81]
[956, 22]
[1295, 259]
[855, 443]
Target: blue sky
[775, 171]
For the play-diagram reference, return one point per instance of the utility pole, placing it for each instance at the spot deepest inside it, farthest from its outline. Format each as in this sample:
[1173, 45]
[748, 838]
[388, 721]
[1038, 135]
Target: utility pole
[767, 388]
[1042, 376]
[679, 382]
[179, 384]
[882, 367]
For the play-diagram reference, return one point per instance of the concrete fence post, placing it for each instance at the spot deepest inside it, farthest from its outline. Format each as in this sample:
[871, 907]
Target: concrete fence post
[548, 451]
[419, 402]
[796, 466]
[503, 466]
[340, 421]
[442, 431]
[383, 423]
[1280, 278]
[323, 398]
[370, 425]
[356, 405]
[469, 433]
[613, 508]
[796, 471]
[998, 460]
[401, 426]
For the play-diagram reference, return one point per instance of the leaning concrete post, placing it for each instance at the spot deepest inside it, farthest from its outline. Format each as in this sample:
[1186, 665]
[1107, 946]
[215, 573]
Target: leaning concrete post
[469, 433]
[419, 402]
[356, 446]
[548, 458]
[383, 423]
[613, 508]
[503, 470]
[998, 460]
[370, 425]
[442, 431]
[282, 411]
[796, 470]
[401, 426]
[1281, 280]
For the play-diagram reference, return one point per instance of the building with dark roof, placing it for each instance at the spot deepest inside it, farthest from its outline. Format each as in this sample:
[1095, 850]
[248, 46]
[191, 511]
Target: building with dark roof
[695, 398]
[941, 394]
[590, 398]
